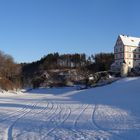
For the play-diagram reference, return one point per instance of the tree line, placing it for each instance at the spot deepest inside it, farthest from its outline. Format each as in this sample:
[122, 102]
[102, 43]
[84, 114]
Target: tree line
[97, 62]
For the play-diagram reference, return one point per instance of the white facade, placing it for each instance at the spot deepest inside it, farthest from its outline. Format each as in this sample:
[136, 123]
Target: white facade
[127, 50]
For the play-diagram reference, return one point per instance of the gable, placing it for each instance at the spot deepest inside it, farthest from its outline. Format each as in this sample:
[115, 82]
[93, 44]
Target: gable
[119, 42]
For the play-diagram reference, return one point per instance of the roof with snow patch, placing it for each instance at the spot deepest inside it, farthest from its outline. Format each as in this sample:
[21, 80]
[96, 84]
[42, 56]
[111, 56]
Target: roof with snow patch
[130, 41]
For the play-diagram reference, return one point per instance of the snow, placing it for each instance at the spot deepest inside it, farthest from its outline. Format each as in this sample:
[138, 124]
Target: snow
[110, 112]
[130, 41]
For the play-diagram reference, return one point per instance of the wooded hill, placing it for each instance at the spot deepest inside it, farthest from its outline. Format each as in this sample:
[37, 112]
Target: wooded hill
[60, 69]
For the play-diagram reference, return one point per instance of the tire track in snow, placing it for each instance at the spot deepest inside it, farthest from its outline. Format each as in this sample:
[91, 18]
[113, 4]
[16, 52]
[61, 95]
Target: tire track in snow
[62, 118]
[86, 131]
[75, 123]
[11, 114]
[61, 123]
[52, 120]
[103, 129]
[69, 130]
[50, 115]
[34, 115]
[50, 112]
[8, 135]
[89, 131]
[64, 115]
[14, 113]
[80, 114]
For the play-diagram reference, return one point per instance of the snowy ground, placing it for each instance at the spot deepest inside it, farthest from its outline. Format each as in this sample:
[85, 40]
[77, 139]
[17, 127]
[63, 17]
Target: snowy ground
[111, 112]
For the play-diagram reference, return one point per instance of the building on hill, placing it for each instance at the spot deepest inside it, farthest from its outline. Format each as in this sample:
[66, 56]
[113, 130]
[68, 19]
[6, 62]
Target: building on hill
[126, 50]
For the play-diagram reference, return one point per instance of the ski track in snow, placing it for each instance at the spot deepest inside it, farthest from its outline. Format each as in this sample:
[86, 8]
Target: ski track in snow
[99, 127]
[9, 130]
[13, 114]
[55, 118]
[51, 117]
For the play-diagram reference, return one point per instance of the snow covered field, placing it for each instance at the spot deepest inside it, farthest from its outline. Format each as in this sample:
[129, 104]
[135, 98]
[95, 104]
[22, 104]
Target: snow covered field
[110, 112]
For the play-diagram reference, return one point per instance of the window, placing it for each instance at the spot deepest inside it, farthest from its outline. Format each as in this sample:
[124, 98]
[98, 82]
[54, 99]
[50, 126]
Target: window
[135, 56]
[120, 55]
[129, 55]
[126, 48]
[139, 56]
[120, 49]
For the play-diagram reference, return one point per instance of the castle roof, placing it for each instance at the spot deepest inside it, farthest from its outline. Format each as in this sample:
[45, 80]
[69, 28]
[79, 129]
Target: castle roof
[130, 41]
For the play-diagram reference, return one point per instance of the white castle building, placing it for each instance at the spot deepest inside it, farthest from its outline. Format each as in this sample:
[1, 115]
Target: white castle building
[127, 50]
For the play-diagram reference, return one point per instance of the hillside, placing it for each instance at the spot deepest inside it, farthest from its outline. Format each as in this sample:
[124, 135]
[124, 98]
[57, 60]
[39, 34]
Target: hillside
[57, 69]
[104, 113]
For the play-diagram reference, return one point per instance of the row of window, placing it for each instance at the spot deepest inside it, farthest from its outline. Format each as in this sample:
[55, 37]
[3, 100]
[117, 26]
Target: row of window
[136, 56]
[128, 55]
[118, 55]
[127, 49]
[137, 50]
[117, 63]
[118, 50]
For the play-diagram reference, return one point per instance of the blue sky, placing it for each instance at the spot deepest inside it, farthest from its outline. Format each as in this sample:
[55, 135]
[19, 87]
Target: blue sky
[30, 29]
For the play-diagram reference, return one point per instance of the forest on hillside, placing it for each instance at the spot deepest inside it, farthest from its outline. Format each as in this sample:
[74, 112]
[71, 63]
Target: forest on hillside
[59, 69]
[10, 72]
[52, 69]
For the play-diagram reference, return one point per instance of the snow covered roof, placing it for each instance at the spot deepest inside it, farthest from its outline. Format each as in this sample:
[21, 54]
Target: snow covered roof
[130, 41]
